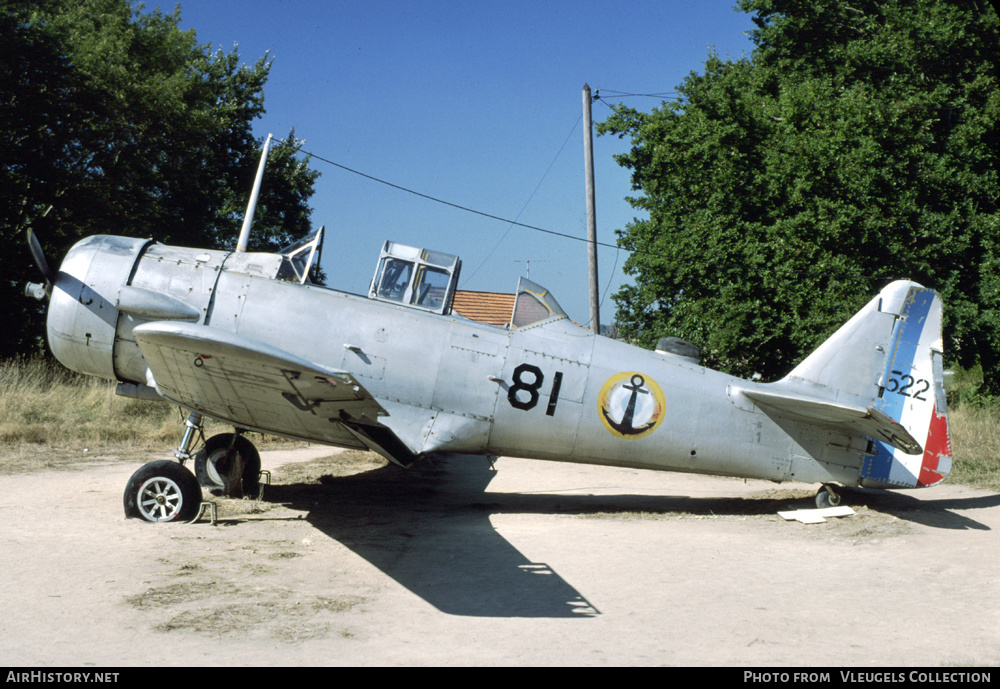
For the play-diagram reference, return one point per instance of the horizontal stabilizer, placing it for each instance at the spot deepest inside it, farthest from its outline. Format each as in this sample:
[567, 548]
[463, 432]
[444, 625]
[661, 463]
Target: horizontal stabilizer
[867, 420]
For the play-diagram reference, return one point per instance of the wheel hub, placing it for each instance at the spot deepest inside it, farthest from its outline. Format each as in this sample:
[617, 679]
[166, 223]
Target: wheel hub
[160, 499]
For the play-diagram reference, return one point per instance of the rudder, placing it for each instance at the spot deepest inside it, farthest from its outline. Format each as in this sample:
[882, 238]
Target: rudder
[912, 392]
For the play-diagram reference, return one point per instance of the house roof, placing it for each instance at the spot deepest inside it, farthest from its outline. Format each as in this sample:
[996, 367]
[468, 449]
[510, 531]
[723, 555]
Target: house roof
[494, 308]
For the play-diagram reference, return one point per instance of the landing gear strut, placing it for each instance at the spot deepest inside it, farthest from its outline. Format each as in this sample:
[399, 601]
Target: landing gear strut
[193, 425]
[227, 462]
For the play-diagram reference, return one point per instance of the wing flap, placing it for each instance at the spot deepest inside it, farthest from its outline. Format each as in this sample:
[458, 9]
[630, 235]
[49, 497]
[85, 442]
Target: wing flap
[254, 385]
[867, 420]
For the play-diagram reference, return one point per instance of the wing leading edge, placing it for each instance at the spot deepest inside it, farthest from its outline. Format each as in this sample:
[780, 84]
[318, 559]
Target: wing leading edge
[253, 385]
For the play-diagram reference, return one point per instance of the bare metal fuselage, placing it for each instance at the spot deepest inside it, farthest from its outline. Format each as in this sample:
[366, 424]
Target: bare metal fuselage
[549, 390]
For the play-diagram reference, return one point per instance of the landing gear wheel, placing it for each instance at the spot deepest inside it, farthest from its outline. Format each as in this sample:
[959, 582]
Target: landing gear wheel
[220, 468]
[826, 497]
[162, 491]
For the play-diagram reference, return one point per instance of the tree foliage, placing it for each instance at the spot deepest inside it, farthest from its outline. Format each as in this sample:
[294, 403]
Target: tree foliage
[857, 144]
[116, 121]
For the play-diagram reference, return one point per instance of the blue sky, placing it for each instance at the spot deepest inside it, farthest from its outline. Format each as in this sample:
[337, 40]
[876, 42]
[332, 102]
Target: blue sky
[477, 103]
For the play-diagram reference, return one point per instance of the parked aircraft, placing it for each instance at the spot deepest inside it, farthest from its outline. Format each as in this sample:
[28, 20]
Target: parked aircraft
[247, 339]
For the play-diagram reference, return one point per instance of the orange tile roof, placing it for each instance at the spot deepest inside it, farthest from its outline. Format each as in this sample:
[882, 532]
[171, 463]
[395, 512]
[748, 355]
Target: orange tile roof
[494, 308]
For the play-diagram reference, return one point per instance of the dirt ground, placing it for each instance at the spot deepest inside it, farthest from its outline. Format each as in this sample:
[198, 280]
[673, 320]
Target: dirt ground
[348, 562]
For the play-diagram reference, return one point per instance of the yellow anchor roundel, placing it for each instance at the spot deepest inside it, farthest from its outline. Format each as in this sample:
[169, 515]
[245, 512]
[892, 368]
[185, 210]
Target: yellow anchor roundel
[631, 405]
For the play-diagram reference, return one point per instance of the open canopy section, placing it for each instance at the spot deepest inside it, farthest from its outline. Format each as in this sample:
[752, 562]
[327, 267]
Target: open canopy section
[299, 258]
[534, 304]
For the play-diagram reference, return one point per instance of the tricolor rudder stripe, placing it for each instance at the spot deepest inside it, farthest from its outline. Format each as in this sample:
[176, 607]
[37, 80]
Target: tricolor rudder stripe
[912, 393]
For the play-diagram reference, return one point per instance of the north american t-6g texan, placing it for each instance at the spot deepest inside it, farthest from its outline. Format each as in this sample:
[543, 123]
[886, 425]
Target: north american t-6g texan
[247, 339]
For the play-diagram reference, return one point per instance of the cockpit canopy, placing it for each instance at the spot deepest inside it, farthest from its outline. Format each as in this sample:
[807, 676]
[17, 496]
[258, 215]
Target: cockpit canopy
[415, 277]
[427, 280]
[534, 304]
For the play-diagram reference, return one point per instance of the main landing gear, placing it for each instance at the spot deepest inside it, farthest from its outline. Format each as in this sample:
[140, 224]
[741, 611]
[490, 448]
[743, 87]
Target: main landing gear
[162, 491]
[166, 491]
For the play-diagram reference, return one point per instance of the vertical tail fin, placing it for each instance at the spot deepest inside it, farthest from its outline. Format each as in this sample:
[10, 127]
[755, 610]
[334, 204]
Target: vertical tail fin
[892, 351]
[913, 394]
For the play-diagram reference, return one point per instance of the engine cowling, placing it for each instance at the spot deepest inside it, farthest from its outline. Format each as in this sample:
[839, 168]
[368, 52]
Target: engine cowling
[83, 316]
[108, 285]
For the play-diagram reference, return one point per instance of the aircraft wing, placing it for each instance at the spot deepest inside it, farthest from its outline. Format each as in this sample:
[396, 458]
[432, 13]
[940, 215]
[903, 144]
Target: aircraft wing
[254, 385]
[867, 420]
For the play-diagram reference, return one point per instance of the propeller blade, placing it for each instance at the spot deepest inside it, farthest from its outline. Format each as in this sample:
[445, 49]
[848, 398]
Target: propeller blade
[39, 256]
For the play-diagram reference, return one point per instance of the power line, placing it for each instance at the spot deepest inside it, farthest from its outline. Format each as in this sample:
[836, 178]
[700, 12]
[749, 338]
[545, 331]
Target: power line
[454, 205]
[466, 280]
[800, 273]
[623, 94]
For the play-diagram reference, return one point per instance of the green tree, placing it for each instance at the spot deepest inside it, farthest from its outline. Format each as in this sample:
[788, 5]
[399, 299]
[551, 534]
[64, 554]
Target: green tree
[857, 144]
[116, 121]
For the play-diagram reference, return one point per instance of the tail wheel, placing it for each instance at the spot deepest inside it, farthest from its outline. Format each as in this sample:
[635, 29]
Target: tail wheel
[826, 497]
[162, 491]
[229, 464]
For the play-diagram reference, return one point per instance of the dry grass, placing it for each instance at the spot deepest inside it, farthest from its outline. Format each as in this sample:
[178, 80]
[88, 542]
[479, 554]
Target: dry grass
[74, 418]
[45, 404]
[975, 444]
[77, 418]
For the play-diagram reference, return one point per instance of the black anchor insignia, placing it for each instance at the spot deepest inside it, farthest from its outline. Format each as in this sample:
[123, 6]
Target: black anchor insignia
[625, 425]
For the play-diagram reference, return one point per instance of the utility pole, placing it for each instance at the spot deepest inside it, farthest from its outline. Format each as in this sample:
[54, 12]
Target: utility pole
[588, 156]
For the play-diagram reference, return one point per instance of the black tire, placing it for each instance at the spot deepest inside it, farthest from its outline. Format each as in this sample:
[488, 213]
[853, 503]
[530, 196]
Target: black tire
[162, 491]
[214, 461]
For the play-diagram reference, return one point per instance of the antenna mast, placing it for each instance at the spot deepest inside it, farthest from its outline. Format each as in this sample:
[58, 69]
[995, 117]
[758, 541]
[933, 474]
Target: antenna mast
[241, 245]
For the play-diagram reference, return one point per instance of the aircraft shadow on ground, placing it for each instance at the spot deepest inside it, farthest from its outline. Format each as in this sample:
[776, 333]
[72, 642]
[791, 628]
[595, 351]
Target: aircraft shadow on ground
[429, 529]
[923, 507]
